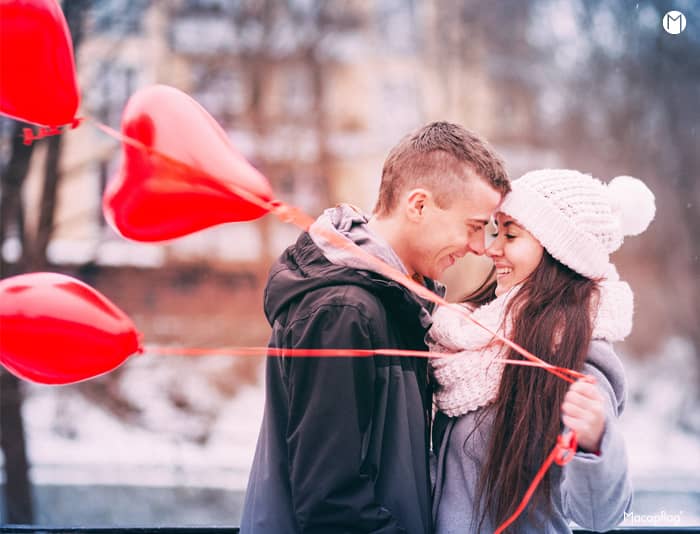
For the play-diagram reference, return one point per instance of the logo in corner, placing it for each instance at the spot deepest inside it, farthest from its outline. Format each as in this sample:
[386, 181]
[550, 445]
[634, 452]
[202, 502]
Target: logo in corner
[674, 22]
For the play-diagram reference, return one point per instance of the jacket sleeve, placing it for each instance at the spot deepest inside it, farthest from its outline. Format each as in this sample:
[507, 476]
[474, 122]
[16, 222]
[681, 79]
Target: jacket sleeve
[330, 405]
[596, 488]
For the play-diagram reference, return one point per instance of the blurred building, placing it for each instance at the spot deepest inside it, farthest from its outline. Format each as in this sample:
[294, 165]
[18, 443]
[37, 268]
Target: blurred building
[314, 94]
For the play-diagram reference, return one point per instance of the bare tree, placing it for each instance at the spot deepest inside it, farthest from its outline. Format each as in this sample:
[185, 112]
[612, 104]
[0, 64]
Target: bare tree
[17, 488]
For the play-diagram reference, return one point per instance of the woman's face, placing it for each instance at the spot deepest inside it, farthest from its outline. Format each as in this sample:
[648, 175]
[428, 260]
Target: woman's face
[514, 251]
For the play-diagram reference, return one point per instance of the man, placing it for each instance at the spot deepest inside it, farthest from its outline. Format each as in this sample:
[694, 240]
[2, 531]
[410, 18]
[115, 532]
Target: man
[344, 441]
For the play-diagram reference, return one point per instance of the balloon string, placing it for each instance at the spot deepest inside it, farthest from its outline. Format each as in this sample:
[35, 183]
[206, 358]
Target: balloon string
[286, 352]
[331, 353]
[562, 453]
[574, 375]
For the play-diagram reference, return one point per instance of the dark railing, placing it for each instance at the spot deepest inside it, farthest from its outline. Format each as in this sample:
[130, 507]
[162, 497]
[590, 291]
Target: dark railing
[25, 529]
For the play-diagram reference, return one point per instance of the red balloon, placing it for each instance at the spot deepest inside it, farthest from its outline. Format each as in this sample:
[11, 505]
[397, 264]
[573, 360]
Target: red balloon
[37, 71]
[155, 198]
[55, 329]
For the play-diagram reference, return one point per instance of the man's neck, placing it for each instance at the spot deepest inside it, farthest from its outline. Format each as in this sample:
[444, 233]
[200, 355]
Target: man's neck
[388, 229]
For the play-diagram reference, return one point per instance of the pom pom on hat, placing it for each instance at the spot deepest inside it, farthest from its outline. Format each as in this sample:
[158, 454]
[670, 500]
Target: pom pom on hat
[633, 203]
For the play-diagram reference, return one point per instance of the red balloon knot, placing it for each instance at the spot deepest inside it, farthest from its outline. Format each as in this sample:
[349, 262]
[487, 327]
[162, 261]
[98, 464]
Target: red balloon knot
[45, 131]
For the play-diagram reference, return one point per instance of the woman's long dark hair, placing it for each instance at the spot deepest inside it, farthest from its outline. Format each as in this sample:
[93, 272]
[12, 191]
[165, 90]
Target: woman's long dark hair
[550, 318]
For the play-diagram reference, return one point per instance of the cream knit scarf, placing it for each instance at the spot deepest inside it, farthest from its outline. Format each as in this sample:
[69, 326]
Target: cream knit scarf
[469, 377]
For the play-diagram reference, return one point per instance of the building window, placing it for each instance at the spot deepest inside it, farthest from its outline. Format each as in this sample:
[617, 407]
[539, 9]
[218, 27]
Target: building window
[221, 90]
[120, 17]
[109, 91]
[205, 35]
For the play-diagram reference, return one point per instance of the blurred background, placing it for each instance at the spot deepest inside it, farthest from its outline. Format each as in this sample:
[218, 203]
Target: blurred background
[314, 93]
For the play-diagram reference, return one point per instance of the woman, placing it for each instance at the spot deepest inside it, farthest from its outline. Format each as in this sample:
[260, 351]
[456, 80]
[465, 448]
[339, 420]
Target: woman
[557, 295]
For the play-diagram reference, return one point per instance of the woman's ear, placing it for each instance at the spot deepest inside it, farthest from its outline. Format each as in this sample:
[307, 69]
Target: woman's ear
[416, 202]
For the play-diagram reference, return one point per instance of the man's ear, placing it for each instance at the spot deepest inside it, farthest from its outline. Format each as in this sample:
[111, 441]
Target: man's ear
[416, 202]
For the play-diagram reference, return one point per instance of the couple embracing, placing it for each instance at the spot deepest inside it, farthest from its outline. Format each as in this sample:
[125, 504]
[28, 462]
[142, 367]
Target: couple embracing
[395, 444]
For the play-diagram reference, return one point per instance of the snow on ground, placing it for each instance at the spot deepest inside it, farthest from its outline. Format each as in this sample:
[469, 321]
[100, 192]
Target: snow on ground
[662, 434]
[101, 449]
[660, 421]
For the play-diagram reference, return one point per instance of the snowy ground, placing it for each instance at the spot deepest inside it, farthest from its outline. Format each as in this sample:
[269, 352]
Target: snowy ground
[90, 468]
[661, 424]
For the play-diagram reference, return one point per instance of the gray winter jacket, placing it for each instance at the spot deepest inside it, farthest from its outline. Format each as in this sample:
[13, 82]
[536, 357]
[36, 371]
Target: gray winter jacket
[593, 491]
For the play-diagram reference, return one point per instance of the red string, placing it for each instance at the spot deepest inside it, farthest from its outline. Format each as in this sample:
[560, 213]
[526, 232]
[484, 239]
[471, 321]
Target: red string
[574, 375]
[287, 352]
[338, 353]
[562, 453]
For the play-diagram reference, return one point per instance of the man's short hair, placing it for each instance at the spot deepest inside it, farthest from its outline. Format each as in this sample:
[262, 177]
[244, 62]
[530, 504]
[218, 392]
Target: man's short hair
[437, 157]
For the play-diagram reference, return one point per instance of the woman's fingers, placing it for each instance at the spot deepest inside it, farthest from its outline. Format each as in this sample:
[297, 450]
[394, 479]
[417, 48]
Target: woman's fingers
[586, 390]
[575, 410]
[583, 412]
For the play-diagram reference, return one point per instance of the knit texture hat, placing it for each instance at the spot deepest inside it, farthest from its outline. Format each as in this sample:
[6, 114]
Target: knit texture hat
[577, 218]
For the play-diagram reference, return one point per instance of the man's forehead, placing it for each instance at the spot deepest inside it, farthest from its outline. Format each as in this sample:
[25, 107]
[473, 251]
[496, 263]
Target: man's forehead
[478, 208]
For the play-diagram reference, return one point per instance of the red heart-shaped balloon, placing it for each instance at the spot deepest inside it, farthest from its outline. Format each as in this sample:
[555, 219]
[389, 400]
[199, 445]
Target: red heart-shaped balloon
[58, 330]
[37, 71]
[184, 175]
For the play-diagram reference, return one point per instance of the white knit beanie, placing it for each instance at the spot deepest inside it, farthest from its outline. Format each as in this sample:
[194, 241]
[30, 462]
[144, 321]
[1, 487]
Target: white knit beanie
[577, 218]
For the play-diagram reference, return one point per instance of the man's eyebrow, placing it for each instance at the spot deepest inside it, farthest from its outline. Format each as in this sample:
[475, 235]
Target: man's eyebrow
[512, 223]
[478, 221]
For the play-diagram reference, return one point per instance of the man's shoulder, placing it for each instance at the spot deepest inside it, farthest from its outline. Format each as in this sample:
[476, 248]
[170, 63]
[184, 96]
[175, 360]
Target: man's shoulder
[345, 297]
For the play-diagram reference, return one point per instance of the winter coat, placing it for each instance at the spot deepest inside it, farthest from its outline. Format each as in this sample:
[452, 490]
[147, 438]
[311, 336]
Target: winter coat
[343, 445]
[592, 490]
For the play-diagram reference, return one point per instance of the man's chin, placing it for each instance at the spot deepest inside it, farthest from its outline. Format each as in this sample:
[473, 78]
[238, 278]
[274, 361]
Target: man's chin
[437, 274]
[441, 270]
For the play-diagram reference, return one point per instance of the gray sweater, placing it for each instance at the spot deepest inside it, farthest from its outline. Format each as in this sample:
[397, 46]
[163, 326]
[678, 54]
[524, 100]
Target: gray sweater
[593, 491]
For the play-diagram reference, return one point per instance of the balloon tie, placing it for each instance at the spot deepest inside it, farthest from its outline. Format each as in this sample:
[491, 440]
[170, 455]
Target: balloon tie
[48, 131]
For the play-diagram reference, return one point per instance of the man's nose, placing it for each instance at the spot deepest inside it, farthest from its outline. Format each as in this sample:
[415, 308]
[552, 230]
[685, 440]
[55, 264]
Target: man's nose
[476, 244]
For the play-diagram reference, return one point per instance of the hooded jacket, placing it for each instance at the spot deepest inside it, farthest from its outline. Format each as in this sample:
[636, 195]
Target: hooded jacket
[343, 445]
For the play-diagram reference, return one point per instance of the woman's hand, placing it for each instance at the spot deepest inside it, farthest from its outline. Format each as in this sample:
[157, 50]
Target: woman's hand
[583, 412]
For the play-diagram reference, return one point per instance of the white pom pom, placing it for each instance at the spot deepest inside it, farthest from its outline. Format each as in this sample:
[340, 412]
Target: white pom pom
[633, 202]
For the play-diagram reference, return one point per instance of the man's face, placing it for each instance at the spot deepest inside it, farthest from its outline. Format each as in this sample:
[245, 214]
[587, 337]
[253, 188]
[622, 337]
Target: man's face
[442, 235]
